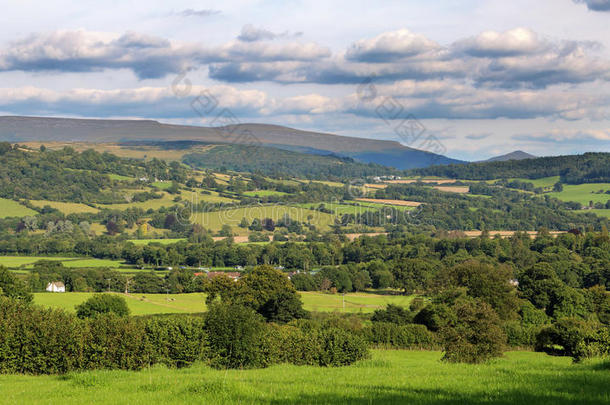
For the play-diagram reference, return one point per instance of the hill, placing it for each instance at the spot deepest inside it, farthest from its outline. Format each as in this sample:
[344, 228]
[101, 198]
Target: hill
[389, 153]
[572, 169]
[515, 155]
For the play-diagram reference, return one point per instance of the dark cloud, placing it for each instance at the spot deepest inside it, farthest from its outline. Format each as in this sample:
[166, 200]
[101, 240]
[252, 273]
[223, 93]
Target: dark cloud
[476, 137]
[596, 5]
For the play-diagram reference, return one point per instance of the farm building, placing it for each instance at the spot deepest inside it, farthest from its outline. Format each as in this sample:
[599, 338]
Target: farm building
[56, 286]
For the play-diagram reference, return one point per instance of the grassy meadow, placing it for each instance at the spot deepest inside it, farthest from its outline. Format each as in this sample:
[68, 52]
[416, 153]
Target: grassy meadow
[148, 304]
[389, 377]
[64, 207]
[18, 261]
[583, 193]
[10, 208]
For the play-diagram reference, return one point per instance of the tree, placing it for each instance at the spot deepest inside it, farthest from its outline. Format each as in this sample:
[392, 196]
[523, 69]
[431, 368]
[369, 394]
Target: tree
[392, 314]
[234, 336]
[476, 336]
[102, 304]
[11, 287]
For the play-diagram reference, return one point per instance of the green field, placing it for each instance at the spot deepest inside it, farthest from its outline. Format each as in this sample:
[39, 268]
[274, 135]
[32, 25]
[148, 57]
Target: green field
[18, 261]
[66, 208]
[10, 208]
[232, 217]
[263, 193]
[601, 213]
[141, 242]
[119, 177]
[191, 303]
[542, 182]
[583, 193]
[389, 377]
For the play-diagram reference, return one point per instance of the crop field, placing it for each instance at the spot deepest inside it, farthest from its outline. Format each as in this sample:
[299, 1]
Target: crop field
[64, 207]
[388, 377]
[391, 202]
[232, 217]
[453, 189]
[10, 208]
[583, 193]
[147, 304]
[18, 261]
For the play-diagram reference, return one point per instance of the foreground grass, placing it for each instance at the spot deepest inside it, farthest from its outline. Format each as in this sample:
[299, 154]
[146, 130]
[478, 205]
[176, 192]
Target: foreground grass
[390, 377]
[148, 304]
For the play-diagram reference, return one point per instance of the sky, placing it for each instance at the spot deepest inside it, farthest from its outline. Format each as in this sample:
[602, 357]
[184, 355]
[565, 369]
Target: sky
[480, 78]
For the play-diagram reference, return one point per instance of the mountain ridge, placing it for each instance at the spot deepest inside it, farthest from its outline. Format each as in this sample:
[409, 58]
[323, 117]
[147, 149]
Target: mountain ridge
[23, 129]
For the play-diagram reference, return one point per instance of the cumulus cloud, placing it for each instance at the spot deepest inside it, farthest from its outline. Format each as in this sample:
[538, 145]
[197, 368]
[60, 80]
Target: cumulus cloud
[596, 5]
[390, 46]
[147, 56]
[518, 41]
[250, 33]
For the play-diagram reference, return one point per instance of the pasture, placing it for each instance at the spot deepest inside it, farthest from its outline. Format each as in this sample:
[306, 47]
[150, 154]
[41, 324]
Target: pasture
[263, 193]
[28, 261]
[64, 207]
[10, 208]
[143, 242]
[583, 193]
[148, 304]
[389, 377]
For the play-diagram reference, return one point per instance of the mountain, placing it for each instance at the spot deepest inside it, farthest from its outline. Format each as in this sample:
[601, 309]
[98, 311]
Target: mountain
[515, 155]
[389, 153]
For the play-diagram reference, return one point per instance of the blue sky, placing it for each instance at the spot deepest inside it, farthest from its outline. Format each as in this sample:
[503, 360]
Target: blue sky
[483, 77]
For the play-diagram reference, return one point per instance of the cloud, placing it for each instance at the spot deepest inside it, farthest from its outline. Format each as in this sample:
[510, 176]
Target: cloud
[189, 12]
[596, 5]
[518, 41]
[147, 56]
[566, 136]
[250, 33]
[477, 137]
[390, 46]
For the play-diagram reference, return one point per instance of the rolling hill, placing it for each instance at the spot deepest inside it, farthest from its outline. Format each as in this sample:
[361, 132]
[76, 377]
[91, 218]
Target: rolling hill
[515, 155]
[389, 153]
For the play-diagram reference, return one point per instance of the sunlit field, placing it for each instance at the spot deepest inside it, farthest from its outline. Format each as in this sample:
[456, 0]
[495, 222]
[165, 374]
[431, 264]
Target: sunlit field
[389, 377]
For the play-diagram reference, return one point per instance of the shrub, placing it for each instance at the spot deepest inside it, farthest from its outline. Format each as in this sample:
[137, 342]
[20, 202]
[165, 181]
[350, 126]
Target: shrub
[574, 337]
[401, 336]
[393, 314]
[176, 341]
[235, 334]
[12, 287]
[476, 335]
[340, 348]
[102, 304]
[435, 316]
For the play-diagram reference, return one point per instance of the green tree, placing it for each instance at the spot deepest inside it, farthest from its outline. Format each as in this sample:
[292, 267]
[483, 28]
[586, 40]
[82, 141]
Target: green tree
[102, 304]
[11, 287]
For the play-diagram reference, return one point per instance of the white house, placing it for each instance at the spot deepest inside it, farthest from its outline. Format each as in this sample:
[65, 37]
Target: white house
[56, 286]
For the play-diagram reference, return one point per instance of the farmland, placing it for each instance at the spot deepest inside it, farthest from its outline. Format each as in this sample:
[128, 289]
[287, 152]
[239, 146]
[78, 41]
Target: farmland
[18, 261]
[583, 193]
[10, 208]
[66, 208]
[147, 304]
[389, 377]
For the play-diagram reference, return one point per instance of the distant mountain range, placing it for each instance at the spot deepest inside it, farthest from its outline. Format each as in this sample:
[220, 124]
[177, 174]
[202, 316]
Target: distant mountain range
[516, 155]
[388, 153]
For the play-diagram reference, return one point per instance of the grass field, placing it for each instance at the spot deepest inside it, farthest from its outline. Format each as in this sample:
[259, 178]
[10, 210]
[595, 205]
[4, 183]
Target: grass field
[263, 193]
[141, 242]
[18, 261]
[601, 213]
[389, 377]
[232, 217]
[542, 182]
[583, 193]
[10, 208]
[192, 303]
[66, 208]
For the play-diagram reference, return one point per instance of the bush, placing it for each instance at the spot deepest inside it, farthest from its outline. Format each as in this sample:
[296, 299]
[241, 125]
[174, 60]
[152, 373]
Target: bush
[390, 335]
[574, 337]
[435, 316]
[393, 314]
[476, 335]
[176, 341]
[340, 348]
[235, 334]
[102, 304]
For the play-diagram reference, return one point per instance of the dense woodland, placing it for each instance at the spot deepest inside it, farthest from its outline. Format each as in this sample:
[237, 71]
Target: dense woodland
[573, 169]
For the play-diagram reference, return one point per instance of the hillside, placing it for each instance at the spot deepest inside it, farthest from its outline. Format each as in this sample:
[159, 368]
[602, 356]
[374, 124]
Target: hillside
[389, 153]
[573, 169]
[515, 155]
